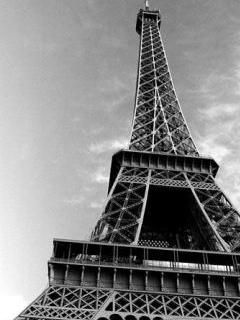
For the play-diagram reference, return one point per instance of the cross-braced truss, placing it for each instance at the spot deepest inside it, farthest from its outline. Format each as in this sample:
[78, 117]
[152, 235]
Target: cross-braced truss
[123, 209]
[72, 303]
[65, 302]
[223, 216]
[175, 306]
[123, 216]
[158, 123]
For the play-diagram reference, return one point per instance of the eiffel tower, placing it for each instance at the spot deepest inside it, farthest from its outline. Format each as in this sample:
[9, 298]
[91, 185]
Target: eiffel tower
[166, 245]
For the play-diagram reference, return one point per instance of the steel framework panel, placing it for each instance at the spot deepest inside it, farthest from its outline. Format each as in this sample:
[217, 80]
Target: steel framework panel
[122, 217]
[75, 303]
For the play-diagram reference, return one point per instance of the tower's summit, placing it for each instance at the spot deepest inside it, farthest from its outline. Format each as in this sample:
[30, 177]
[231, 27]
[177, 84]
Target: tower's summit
[146, 13]
[167, 243]
[147, 5]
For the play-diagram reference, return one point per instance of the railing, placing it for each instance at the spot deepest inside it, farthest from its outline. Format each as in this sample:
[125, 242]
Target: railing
[151, 264]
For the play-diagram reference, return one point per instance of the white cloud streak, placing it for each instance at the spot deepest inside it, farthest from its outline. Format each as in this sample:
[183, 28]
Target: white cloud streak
[100, 175]
[210, 147]
[221, 125]
[96, 204]
[220, 110]
[74, 201]
[108, 145]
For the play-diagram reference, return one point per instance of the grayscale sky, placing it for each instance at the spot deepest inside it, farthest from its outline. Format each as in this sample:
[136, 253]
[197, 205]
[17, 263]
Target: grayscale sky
[67, 82]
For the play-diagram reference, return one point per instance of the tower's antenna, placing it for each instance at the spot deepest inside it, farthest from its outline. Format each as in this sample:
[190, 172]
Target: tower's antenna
[146, 5]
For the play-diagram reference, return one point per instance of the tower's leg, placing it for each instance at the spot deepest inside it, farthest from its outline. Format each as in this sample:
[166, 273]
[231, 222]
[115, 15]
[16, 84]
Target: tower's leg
[124, 207]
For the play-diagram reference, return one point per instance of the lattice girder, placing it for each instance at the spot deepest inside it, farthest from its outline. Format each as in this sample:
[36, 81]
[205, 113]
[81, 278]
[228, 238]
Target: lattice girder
[174, 307]
[66, 302]
[75, 303]
[222, 214]
[125, 210]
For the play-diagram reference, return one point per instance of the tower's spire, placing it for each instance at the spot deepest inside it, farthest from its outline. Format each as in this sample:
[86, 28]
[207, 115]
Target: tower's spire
[146, 5]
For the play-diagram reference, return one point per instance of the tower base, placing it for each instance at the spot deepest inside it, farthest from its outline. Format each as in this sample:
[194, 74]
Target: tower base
[90, 280]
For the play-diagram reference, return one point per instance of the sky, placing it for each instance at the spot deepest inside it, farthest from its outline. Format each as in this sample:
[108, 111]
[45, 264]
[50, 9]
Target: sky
[67, 85]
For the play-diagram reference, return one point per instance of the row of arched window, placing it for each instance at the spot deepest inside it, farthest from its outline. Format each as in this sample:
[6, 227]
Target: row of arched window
[128, 317]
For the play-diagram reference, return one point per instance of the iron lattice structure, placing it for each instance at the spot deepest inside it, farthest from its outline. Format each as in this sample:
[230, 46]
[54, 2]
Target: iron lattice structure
[158, 124]
[166, 245]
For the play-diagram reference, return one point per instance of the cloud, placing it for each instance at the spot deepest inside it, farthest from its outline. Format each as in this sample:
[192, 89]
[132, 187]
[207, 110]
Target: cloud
[218, 110]
[74, 201]
[11, 306]
[237, 64]
[222, 82]
[100, 175]
[115, 89]
[212, 83]
[96, 204]
[221, 123]
[221, 130]
[221, 141]
[221, 114]
[237, 75]
[108, 145]
[230, 180]
[113, 85]
[210, 147]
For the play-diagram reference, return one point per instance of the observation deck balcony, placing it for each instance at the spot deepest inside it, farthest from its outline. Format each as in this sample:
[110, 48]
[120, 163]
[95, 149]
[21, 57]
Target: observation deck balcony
[161, 161]
[100, 253]
[132, 267]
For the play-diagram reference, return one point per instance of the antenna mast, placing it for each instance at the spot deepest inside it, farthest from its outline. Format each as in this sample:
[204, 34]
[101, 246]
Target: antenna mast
[146, 5]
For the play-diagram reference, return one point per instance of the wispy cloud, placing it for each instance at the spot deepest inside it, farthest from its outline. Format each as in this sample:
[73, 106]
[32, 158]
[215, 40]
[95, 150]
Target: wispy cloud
[222, 130]
[96, 204]
[237, 75]
[237, 65]
[74, 201]
[100, 175]
[218, 110]
[210, 147]
[115, 89]
[108, 145]
[113, 85]
[214, 85]
[221, 123]
[230, 180]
